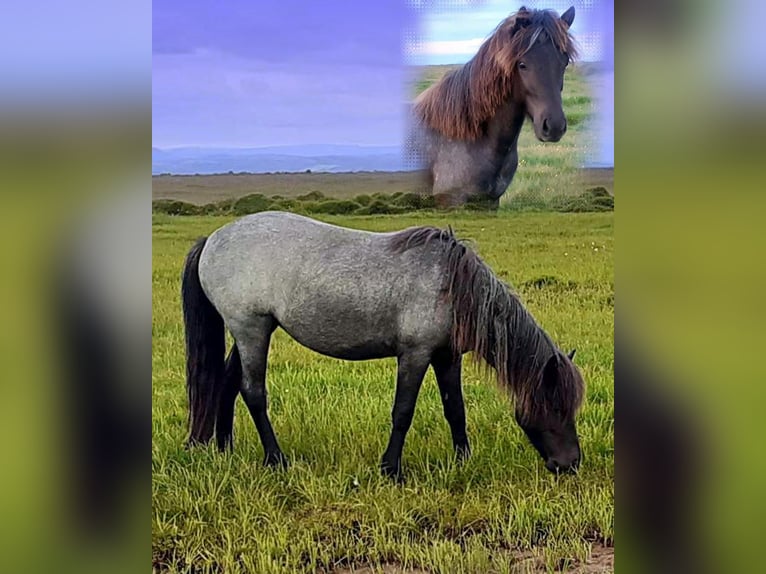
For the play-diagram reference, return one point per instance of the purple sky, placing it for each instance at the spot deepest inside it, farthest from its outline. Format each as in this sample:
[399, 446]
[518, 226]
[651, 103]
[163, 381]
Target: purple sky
[248, 73]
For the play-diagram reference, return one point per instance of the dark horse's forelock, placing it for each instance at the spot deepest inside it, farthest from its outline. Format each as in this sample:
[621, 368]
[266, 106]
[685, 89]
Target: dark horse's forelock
[460, 104]
[489, 319]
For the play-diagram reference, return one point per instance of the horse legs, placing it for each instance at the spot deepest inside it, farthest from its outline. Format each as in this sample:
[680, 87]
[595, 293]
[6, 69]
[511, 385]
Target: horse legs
[411, 369]
[224, 423]
[254, 350]
[447, 369]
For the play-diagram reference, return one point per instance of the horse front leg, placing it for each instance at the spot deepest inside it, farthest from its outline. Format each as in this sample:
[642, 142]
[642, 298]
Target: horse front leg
[447, 368]
[410, 372]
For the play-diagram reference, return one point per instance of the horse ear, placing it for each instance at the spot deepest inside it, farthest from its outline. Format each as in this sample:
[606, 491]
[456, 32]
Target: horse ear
[572, 354]
[568, 16]
[520, 20]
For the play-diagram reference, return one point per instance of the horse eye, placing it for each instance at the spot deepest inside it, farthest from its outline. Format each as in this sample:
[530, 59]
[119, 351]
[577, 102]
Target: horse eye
[522, 66]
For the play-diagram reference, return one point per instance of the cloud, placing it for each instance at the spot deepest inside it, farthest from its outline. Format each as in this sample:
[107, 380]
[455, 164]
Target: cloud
[445, 47]
[209, 97]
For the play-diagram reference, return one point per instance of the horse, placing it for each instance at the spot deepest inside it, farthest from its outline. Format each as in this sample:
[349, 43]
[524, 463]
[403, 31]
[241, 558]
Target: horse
[464, 129]
[420, 295]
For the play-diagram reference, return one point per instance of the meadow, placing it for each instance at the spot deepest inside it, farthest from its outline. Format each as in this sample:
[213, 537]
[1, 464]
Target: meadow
[331, 511]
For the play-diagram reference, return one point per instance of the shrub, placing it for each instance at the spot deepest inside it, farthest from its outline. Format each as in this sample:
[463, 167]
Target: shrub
[334, 207]
[415, 201]
[252, 203]
[363, 199]
[223, 207]
[283, 204]
[175, 207]
[592, 199]
[311, 196]
[377, 207]
[480, 203]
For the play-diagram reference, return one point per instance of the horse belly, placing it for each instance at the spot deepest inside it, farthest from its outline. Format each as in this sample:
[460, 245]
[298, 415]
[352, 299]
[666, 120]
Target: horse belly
[343, 335]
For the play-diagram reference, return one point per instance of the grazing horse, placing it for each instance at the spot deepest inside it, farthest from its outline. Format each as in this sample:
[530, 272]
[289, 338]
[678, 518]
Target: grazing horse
[418, 295]
[464, 129]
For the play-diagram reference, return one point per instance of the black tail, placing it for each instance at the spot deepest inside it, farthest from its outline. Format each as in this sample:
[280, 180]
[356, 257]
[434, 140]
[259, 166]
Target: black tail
[205, 349]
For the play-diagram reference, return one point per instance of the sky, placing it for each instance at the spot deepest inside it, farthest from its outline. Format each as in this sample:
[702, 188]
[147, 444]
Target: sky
[293, 72]
[452, 31]
[246, 74]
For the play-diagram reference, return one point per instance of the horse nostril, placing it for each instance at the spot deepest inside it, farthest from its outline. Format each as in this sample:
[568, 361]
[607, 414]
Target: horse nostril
[552, 465]
[546, 127]
[557, 467]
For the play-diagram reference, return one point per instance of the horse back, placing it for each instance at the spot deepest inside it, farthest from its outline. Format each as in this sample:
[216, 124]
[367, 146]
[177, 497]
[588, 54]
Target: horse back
[341, 292]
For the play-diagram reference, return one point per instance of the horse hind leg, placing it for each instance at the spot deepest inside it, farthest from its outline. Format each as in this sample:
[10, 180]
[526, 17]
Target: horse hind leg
[447, 369]
[253, 345]
[224, 426]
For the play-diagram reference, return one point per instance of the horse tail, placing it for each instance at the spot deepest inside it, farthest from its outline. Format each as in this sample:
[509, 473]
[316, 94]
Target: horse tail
[205, 350]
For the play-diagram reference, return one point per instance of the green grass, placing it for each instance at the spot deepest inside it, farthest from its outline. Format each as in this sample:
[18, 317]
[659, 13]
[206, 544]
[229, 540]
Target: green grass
[330, 510]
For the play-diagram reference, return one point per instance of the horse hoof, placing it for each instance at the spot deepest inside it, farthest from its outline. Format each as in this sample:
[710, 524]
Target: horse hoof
[463, 453]
[276, 460]
[392, 472]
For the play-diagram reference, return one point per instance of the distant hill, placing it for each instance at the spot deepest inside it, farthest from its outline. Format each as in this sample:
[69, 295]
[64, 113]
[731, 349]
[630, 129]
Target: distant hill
[326, 158]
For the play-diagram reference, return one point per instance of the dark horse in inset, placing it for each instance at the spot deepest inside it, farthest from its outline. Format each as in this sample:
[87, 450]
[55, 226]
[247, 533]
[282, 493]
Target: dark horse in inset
[418, 295]
[465, 128]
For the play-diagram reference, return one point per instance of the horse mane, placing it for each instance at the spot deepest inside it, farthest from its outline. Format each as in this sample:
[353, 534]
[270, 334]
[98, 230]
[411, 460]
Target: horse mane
[460, 104]
[489, 319]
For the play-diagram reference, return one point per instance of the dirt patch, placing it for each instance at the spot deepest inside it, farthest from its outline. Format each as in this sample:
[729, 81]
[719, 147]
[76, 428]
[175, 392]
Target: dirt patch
[601, 561]
[385, 569]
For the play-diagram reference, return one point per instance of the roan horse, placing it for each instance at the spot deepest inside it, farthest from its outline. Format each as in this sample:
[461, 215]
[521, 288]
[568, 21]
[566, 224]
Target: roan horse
[465, 128]
[418, 295]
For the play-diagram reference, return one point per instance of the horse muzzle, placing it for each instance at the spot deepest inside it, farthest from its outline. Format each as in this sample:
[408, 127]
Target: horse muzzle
[551, 130]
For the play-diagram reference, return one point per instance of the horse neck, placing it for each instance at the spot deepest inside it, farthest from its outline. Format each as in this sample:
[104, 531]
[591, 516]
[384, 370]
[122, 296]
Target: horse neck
[505, 126]
[518, 341]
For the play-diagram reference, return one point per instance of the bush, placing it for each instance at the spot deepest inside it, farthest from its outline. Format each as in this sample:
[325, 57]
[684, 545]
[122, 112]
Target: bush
[379, 207]
[363, 199]
[223, 207]
[175, 207]
[333, 207]
[480, 203]
[283, 204]
[311, 196]
[592, 199]
[252, 203]
[415, 201]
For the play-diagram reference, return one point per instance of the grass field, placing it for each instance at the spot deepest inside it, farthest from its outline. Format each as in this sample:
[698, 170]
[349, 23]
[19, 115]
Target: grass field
[331, 511]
